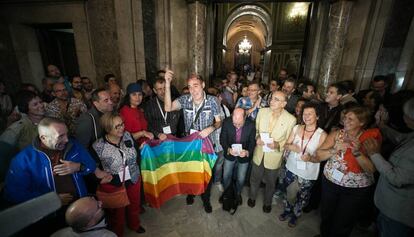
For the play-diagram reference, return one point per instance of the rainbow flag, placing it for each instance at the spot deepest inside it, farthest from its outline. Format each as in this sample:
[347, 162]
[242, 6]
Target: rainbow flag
[176, 166]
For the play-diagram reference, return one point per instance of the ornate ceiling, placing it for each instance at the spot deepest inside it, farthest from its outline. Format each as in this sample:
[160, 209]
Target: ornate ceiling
[248, 23]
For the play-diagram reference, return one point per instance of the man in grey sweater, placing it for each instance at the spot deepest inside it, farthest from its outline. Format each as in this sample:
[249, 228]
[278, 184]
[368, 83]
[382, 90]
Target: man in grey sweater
[394, 195]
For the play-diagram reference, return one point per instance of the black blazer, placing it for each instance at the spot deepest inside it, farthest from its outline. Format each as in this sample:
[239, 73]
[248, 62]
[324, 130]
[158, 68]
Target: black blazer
[228, 137]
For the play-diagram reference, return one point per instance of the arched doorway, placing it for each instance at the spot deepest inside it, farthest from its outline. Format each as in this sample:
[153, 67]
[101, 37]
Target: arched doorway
[251, 22]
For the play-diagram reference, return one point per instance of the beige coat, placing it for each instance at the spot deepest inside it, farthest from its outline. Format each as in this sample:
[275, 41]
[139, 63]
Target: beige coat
[280, 133]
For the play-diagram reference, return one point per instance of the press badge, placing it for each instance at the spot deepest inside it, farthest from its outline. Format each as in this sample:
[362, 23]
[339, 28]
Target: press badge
[301, 165]
[127, 174]
[337, 175]
[166, 130]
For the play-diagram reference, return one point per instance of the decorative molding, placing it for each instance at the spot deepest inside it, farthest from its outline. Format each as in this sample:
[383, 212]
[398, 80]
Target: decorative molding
[200, 1]
[250, 10]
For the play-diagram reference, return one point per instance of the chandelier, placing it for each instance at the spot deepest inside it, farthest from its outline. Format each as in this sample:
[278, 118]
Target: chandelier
[245, 46]
[298, 12]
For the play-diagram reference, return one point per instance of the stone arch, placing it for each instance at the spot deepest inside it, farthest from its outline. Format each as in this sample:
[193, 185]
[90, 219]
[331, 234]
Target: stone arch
[250, 10]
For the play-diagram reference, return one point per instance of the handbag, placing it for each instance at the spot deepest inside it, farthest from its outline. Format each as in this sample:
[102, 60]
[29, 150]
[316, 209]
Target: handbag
[116, 199]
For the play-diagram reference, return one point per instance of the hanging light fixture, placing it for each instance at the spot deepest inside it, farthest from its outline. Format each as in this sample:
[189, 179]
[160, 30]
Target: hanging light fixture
[298, 12]
[245, 46]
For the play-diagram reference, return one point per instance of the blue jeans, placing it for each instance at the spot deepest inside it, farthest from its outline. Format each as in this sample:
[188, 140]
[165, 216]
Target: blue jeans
[389, 228]
[240, 170]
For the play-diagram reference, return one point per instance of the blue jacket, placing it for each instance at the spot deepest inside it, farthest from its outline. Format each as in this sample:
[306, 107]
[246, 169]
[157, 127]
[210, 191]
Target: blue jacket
[30, 174]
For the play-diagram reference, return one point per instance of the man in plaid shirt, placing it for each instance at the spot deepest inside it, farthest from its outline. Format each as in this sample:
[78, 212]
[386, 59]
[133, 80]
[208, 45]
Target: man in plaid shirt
[201, 114]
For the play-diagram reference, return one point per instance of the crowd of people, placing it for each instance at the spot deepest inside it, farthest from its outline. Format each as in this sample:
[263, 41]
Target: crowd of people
[343, 152]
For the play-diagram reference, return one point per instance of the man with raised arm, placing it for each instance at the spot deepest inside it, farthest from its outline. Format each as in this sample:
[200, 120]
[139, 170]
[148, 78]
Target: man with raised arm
[201, 114]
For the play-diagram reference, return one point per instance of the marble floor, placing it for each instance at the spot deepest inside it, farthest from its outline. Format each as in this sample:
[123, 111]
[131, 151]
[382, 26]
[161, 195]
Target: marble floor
[176, 219]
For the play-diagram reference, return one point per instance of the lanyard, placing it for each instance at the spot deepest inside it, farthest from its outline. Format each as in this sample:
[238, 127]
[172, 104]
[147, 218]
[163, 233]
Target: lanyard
[164, 116]
[197, 111]
[303, 137]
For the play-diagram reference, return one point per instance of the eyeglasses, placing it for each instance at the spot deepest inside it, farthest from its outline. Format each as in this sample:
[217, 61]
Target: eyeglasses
[62, 90]
[277, 99]
[118, 126]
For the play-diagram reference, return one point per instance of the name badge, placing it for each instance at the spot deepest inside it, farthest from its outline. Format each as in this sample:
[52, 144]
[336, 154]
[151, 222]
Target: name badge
[127, 174]
[337, 175]
[301, 165]
[166, 130]
[193, 131]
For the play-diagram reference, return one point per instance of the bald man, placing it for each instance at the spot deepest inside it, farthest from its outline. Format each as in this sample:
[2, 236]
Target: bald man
[85, 217]
[273, 127]
[238, 139]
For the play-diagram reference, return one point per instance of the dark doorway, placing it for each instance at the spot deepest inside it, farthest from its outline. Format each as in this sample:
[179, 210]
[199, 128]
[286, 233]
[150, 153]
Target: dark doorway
[57, 46]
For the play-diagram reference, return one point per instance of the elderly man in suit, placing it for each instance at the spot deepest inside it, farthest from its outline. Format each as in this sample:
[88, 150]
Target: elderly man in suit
[273, 127]
[238, 139]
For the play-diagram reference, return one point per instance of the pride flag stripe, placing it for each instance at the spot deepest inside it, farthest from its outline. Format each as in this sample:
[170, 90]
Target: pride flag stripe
[173, 191]
[176, 166]
[166, 158]
[173, 179]
[153, 177]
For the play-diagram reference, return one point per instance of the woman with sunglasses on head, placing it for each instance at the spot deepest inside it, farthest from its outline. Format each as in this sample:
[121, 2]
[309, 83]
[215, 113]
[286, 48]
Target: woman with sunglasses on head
[118, 156]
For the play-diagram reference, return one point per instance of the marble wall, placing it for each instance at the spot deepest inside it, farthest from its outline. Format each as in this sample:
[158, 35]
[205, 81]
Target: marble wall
[130, 40]
[9, 70]
[104, 38]
[196, 37]
[19, 19]
[354, 39]
[150, 38]
[316, 39]
[172, 43]
[339, 18]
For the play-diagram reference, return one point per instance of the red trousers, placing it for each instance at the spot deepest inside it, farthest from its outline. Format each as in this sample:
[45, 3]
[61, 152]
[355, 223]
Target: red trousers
[116, 217]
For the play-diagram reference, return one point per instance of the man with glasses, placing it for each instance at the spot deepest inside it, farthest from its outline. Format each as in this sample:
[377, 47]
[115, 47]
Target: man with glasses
[273, 127]
[85, 217]
[253, 102]
[161, 122]
[64, 107]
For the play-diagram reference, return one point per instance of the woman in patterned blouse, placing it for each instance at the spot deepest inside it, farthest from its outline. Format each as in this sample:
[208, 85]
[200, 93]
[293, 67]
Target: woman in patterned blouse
[347, 183]
[118, 156]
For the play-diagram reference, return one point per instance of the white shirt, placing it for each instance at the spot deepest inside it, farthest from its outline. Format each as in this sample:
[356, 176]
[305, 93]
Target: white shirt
[312, 169]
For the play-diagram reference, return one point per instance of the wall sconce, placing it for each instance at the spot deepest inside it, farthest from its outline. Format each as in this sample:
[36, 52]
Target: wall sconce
[298, 12]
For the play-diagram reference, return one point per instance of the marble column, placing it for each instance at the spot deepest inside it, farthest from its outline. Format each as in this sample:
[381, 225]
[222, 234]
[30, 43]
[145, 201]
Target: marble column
[197, 37]
[339, 15]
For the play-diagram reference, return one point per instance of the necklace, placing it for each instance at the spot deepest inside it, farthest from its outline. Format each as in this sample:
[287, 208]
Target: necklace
[110, 141]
